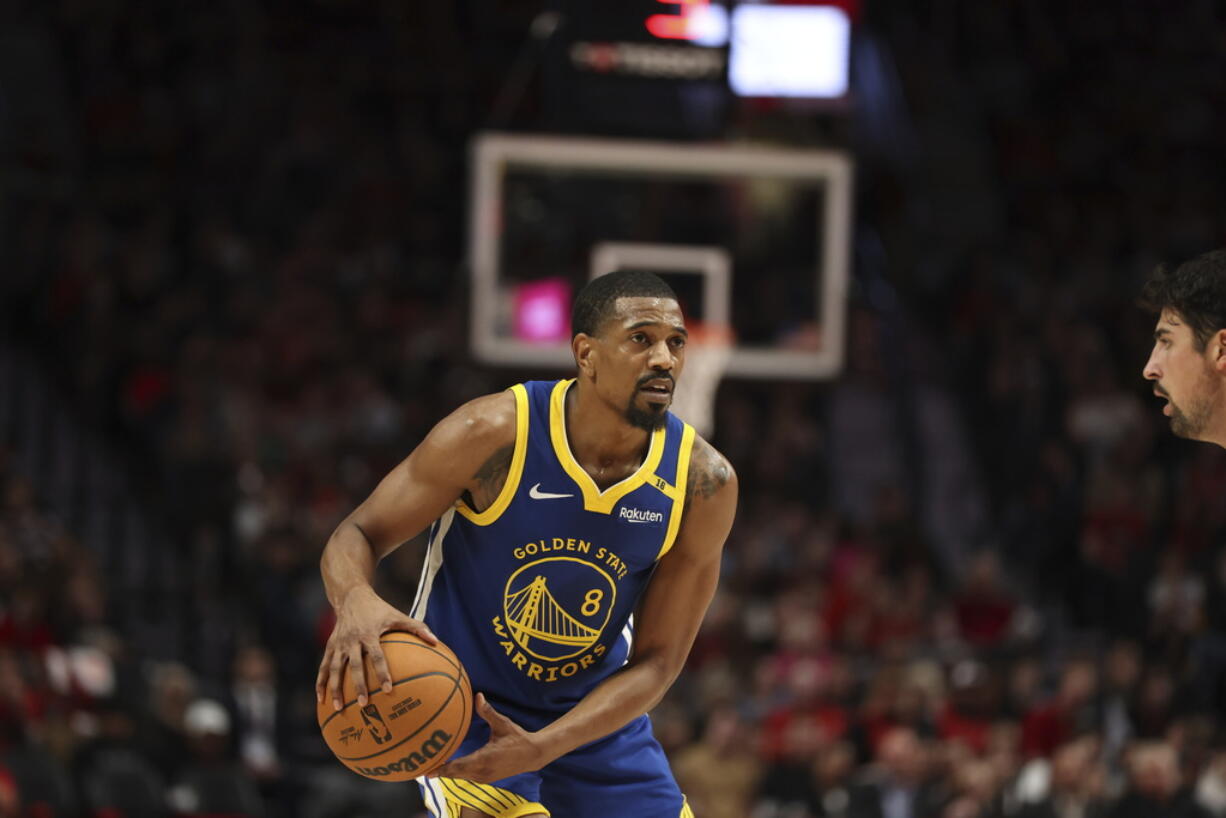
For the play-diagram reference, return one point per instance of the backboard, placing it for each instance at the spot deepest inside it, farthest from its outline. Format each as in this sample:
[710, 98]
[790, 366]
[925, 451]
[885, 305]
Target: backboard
[755, 238]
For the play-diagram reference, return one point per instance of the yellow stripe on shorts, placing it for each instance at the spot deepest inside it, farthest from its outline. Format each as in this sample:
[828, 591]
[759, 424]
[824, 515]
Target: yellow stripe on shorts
[686, 812]
[486, 799]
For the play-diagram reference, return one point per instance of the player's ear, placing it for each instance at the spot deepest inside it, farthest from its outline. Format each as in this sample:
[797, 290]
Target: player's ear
[582, 348]
[1217, 350]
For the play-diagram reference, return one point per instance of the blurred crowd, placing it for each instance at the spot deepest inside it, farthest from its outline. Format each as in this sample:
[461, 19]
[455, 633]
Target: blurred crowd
[255, 289]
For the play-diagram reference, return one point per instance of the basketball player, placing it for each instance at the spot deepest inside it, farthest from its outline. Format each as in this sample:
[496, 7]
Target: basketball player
[1188, 361]
[556, 510]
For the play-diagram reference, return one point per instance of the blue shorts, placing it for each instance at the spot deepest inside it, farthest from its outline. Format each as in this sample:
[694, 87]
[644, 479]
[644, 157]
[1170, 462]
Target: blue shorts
[622, 774]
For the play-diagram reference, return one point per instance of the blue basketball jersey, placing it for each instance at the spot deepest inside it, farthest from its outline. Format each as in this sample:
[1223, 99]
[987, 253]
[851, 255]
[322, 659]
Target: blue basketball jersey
[535, 593]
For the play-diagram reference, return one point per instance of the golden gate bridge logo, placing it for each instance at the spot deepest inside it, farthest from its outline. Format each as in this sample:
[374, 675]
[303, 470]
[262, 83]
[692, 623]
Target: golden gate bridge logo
[542, 625]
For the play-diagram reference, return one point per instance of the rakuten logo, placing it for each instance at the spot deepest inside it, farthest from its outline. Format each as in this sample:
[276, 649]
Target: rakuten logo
[637, 515]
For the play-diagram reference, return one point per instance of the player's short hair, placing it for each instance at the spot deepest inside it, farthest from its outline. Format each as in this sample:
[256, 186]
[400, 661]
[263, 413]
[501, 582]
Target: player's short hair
[1196, 290]
[596, 302]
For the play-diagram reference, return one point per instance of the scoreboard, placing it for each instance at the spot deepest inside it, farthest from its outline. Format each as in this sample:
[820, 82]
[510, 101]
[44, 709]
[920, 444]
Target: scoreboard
[609, 73]
[675, 69]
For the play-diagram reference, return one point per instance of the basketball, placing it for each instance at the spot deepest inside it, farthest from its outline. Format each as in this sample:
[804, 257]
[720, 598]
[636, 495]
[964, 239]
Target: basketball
[410, 731]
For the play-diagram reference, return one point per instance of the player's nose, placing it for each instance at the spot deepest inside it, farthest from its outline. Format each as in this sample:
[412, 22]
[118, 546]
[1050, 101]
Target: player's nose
[1151, 371]
[661, 357]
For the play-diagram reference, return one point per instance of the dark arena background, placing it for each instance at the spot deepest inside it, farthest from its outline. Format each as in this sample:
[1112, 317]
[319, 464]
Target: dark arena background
[251, 251]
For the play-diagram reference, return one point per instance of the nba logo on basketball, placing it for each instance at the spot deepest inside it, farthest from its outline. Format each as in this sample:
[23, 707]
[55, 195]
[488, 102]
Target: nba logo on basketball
[378, 728]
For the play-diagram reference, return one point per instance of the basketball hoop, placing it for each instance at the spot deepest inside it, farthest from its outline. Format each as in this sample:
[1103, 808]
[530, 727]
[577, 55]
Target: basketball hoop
[706, 359]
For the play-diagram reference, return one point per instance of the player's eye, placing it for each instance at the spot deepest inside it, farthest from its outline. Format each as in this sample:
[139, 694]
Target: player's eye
[638, 338]
[678, 342]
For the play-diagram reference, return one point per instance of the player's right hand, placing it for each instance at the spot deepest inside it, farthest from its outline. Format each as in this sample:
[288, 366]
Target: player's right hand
[362, 617]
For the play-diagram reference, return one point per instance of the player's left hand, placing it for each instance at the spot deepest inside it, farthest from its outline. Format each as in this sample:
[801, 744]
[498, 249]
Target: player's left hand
[511, 750]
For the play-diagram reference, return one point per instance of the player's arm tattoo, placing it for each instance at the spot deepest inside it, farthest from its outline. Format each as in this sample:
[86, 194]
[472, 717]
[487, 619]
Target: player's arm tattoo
[710, 471]
[488, 480]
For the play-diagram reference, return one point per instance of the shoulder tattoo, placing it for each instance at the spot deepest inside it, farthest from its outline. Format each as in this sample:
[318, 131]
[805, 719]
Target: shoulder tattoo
[489, 479]
[709, 471]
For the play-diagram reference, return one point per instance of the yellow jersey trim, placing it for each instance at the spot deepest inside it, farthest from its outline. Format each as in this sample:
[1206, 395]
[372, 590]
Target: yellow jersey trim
[678, 493]
[666, 488]
[593, 498]
[517, 466]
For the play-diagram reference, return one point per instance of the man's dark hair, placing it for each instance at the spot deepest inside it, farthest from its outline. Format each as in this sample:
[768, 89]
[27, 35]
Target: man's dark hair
[1195, 289]
[596, 302]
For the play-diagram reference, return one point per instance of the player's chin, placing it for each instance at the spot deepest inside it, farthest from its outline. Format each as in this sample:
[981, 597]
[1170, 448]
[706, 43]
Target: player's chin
[649, 415]
[1181, 428]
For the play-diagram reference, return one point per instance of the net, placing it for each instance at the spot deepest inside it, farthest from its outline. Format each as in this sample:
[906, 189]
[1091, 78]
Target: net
[706, 360]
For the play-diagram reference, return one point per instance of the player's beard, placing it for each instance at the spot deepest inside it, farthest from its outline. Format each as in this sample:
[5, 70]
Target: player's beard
[651, 417]
[1191, 424]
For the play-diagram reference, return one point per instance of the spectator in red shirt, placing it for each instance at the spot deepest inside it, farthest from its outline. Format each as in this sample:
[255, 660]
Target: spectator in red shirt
[1069, 713]
[983, 607]
[973, 703]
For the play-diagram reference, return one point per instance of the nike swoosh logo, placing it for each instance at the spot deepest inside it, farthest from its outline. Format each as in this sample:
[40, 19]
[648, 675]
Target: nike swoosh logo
[536, 494]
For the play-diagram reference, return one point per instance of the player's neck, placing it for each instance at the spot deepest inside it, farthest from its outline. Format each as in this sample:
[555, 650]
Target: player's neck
[1217, 429]
[598, 433]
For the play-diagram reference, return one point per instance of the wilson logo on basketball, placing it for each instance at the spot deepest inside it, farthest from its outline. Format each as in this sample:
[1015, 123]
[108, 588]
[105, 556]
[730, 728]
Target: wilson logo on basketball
[428, 750]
